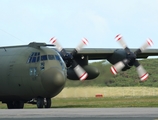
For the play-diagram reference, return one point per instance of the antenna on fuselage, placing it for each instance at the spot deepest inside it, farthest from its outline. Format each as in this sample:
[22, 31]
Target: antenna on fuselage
[12, 35]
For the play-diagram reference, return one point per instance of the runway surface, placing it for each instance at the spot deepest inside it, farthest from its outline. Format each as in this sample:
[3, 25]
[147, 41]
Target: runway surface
[80, 114]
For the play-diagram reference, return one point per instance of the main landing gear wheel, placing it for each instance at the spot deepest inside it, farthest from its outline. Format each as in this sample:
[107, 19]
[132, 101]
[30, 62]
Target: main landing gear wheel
[15, 105]
[40, 102]
[43, 102]
[47, 102]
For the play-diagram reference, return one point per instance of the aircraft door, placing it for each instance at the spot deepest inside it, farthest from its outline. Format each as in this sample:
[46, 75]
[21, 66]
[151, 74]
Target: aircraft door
[33, 62]
[35, 80]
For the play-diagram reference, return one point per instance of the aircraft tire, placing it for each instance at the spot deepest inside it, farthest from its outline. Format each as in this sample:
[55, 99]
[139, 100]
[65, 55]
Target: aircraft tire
[19, 104]
[10, 105]
[40, 102]
[15, 105]
[48, 103]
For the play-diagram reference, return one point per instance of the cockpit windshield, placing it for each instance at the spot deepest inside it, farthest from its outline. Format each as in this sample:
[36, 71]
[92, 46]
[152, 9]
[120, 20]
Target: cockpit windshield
[51, 57]
[36, 57]
[44, 57]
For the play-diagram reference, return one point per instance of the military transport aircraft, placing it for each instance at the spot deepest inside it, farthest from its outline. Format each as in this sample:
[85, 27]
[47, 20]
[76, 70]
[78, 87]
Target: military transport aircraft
[35, 73]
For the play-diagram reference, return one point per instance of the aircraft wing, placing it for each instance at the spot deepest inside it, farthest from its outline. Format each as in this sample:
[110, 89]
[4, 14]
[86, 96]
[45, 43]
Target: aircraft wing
[103, 53]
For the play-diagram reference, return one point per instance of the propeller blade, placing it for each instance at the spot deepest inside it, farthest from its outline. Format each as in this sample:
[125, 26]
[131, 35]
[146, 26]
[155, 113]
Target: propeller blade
[68, 57]
[147, 44]
[80, 72]
[117, 67]
[54, 41]
[143, 75]
[83, 42]
[119, 38]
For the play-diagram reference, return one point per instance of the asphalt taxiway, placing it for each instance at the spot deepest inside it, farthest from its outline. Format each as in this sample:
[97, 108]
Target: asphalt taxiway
[80, 114]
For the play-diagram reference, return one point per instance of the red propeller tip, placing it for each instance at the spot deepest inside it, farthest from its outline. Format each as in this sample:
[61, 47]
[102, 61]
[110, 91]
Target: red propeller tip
[144, 77]
[85, 41]
[118, 37]
[53, 40]
[113, 70]
[150, 42]
[84, 76]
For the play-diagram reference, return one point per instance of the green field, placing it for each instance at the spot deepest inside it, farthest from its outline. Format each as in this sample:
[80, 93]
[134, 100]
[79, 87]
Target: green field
[84, 97]
[109, 102]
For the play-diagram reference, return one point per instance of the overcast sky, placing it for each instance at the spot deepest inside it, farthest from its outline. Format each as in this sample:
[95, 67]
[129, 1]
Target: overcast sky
[24, 21]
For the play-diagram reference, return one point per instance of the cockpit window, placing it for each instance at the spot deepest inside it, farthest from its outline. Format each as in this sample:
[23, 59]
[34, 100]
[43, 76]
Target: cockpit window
[32, 54]
[35, 54]
[43, 57]
[57, 57]
[60, 60]
[51, 57]
[34, 57]
[38, 58]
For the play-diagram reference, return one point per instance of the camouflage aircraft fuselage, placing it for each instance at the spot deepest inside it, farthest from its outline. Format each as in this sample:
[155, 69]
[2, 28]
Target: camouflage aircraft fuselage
[30, 72]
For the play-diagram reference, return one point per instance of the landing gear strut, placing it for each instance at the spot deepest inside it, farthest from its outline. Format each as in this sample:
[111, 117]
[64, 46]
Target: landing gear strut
[43, 102]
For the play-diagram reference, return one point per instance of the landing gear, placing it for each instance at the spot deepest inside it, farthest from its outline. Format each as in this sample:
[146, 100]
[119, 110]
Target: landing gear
[43, 102]
[15, 105]
[47, 103]
[40, 102]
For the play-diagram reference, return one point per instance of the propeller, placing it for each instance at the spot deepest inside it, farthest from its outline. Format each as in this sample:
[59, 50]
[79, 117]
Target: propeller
[131, 58]
[69, 57]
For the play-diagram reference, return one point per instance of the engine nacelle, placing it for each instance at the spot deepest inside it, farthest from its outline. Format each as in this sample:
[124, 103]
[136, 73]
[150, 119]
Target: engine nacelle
[92, 71]
[117, 56]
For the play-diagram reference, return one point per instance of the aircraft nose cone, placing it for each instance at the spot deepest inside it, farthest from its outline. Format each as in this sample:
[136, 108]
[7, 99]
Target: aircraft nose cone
[53, 78]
